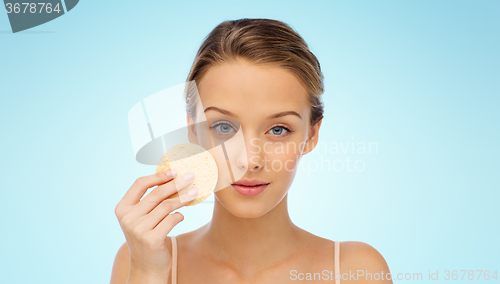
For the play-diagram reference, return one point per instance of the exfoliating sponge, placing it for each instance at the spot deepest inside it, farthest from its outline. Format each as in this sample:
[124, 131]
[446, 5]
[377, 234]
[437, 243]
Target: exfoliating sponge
[190, 157]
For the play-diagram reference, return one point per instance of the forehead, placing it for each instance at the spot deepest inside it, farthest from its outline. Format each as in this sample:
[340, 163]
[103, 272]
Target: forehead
[244, 87]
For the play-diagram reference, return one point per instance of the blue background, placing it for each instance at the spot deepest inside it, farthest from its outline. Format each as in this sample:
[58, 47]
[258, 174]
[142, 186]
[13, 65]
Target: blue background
[418, 78]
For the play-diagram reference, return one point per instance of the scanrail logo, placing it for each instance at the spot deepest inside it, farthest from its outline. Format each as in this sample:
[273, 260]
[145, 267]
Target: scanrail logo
[24, 14]
[159, 123]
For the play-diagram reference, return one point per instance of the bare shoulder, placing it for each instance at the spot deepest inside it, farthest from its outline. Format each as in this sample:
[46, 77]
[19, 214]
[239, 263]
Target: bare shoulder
[121, 265]
[362, 263]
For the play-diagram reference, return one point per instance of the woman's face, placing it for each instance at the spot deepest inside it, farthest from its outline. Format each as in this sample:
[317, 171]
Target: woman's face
[245, 99]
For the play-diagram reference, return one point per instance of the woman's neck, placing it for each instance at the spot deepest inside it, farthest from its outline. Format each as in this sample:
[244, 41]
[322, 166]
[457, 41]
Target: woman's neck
[251, 244]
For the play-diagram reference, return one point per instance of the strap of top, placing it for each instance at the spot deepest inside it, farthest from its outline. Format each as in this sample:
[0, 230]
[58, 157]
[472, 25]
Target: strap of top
[337, 262]
[174, 260]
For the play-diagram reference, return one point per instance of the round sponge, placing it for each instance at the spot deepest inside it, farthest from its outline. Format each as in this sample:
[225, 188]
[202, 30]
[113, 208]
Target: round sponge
[190, 157]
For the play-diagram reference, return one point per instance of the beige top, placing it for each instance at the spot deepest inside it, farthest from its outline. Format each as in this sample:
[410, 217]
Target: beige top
[174, 261]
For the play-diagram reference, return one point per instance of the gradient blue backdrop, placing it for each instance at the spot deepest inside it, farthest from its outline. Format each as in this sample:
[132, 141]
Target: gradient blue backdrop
[418, 78]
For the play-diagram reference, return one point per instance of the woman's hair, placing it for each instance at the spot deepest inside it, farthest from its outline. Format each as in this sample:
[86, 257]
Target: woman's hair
[261, 41]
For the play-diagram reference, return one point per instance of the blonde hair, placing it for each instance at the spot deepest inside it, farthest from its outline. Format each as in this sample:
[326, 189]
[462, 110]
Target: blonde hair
[261, 41]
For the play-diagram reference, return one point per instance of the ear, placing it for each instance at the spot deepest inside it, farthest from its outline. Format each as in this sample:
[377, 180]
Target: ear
[192, 136]
[312, 140]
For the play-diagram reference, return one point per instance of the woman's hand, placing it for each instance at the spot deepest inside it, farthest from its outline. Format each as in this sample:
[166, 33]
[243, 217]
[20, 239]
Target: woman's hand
[146, 223]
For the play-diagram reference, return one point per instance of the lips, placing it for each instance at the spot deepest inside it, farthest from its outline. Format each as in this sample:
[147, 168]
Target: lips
[250, 187]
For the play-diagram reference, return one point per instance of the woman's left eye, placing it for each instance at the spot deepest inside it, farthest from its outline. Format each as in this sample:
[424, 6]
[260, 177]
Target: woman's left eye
[278, 130]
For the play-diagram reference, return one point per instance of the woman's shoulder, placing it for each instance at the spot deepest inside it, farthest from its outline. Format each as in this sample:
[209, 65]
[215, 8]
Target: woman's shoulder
[356, 256]
[121, 265]
[352, 249]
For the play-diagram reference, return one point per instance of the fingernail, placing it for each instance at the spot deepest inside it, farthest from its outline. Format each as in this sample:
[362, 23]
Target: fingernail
[173, 173]
[193, 192]
[189, 176]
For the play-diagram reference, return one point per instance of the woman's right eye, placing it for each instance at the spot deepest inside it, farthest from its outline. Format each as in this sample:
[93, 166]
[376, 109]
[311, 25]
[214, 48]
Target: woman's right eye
[223, 128]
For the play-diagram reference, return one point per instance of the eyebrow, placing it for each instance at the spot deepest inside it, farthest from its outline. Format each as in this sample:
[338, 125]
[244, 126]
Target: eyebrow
[273, 116]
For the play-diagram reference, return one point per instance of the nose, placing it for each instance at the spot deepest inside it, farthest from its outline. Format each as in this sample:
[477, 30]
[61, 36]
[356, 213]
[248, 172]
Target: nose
[251, 158]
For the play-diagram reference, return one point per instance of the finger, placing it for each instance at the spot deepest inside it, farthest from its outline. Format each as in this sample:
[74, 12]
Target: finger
[168, 223]
[165, 207]
[142, 184]
[160, 193]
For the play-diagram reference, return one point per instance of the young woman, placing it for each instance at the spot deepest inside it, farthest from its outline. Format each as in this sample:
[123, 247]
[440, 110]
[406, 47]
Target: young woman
[260, 73]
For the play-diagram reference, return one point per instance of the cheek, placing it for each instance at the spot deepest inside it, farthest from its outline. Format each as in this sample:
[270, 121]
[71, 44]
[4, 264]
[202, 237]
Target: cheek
[282, 161]
[224, 177]
[206, 141]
